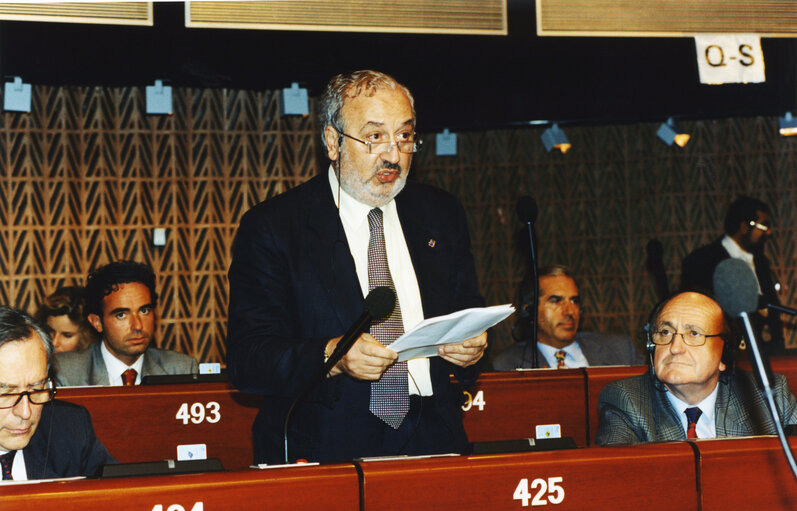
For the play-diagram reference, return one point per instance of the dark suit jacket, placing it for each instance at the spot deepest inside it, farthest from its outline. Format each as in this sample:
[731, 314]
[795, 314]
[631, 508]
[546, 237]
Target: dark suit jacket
[697, 272]
[64, 444]
[633, 410]
[599, 349]
[293, 286]
[87, 367]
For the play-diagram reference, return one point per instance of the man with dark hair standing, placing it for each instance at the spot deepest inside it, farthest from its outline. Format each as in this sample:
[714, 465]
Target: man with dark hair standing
[121, 305]
[39, 438]
[691, 390]
[304, 260]
[748, 226]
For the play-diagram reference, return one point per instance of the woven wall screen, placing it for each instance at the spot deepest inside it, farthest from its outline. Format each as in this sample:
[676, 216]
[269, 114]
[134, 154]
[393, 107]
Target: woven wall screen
[488, 17]
[666, 18]
[111, 13]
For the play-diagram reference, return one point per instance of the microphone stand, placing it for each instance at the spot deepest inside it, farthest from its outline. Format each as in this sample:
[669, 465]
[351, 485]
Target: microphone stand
[535, 299]
[773, 409]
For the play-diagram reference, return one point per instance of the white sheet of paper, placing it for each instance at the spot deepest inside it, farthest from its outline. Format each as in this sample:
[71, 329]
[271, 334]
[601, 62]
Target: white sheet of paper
[426, 336]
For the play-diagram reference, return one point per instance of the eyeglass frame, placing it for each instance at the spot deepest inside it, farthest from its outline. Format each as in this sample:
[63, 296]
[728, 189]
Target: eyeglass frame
[683, 338]
[50, 389]
[762, 227]
[416, 144]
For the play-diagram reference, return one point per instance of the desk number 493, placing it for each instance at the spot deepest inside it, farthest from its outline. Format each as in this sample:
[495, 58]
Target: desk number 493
[551, 489]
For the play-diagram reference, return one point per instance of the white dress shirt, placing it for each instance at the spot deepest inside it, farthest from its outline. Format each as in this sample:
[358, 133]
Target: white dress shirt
[574, 356]
[18, 470]
[354, 216]
[737, 252]
[116, 367]
[706, 424]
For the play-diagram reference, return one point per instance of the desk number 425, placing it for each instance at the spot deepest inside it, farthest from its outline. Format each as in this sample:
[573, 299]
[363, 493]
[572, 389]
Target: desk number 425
[551, 489]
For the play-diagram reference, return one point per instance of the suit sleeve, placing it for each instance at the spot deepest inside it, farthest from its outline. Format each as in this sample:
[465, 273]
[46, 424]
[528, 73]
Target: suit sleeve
[617, 417]
[266, 352]
[785, 400]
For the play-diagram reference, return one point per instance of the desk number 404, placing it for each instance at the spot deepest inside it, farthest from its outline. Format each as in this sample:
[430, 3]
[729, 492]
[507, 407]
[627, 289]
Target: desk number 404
[545, 492]
[198, 506]
[199, 412]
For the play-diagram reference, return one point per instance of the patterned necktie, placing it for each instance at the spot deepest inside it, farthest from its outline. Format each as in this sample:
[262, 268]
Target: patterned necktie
[560, 359]
[692, 414]
[6, 461]
[390, 400]
[129, 377]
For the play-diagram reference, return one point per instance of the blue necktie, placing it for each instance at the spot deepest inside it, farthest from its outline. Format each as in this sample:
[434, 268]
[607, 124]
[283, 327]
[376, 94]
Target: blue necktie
[6, 462]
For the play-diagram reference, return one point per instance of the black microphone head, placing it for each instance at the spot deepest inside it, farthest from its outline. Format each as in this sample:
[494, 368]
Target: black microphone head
[736, 287]
[526, 209]
[379, 302]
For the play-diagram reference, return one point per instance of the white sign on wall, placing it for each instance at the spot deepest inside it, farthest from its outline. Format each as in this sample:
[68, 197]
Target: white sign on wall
[729, 58]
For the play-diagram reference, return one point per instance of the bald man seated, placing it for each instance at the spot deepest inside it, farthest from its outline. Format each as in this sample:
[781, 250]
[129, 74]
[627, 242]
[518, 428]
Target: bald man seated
[691, 390]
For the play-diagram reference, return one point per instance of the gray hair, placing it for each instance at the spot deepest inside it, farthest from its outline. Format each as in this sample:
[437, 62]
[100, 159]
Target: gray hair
[352, 85]
[16, 325]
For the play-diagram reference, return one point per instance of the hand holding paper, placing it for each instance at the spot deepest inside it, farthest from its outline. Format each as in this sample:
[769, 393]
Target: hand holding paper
[424, 339]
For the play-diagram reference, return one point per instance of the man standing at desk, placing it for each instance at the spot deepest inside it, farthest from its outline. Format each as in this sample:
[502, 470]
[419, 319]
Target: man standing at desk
[691, 390]
[39, 438]
[304, 260]
[120, 303]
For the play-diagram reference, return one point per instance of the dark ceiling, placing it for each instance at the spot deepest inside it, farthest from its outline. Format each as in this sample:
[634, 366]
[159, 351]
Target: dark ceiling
[463, 82]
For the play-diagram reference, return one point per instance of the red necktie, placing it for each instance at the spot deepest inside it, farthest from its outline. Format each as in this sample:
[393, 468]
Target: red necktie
[129, 377]
[560, 359]
[6, 462]
[692, 414]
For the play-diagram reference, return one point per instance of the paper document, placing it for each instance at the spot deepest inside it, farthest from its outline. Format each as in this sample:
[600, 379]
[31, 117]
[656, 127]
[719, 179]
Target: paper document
[426, 336]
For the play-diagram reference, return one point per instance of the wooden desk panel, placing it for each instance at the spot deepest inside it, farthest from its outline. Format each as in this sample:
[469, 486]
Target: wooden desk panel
[597, 378]
[746, 473]
[141, 423]
[650, 477]
[331, 487]
[509, 405]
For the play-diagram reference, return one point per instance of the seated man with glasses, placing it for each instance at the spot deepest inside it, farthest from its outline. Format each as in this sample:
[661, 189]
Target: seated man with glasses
[39, 438]
[691, 389]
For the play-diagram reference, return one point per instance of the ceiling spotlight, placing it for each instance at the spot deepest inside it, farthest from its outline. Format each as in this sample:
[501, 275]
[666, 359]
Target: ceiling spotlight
[670, 133]
[787, 125]
[555, 137]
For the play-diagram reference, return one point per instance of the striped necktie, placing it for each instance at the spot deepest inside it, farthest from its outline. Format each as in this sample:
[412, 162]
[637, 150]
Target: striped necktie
[560, 359]
[390, 400]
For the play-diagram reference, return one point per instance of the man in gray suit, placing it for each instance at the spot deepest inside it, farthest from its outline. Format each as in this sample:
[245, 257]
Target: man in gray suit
[120, 304]
[559, 343]
[691, 390]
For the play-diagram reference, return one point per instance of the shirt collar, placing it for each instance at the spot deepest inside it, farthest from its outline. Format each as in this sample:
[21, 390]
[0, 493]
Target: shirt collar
[706, 406]
[735, 251]
[116, 367]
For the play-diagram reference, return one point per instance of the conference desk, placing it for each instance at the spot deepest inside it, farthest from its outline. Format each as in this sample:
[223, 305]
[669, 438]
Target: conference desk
[329, 487]
[147, 423]
[727, 474]
[516, 404]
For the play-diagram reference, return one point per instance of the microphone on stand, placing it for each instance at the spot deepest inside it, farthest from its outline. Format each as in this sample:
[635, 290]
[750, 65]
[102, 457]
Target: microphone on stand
[527, 214]
[378, 304]
[736, 289]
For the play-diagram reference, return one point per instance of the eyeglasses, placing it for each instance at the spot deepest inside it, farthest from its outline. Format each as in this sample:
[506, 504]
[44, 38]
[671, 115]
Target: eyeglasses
[405, 146]
[755, 224]
[691, 338]
[36, 397]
